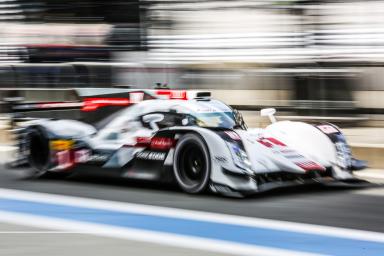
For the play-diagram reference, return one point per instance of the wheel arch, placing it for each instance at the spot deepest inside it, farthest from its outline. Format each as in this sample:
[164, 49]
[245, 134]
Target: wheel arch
[220, 154]
[214, 143]
[63, 128]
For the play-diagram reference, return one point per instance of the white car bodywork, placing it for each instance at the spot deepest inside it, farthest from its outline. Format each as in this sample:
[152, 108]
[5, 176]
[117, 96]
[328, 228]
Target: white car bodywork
[243, 161]
[303, 143]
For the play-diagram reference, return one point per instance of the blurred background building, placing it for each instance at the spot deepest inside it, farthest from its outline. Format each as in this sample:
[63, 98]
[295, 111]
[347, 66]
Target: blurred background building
[303, 57]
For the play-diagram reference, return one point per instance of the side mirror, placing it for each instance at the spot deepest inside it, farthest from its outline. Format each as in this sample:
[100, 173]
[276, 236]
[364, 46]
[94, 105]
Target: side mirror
[269, 112]
[152, 119]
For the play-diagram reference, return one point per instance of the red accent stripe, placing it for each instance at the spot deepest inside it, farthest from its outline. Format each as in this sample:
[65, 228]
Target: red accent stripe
[265, 143]
[143, 141]
[173, 94]
[310, 166]
[276, 141]
[92, 104]
[269, 142]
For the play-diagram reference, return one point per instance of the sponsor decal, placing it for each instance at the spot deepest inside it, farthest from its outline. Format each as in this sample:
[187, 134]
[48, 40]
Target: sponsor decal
[155, 143]
[60, 145]
[206, 110]
[81, 156]
[221, 159]
[151, 155]
[162, 143]
[143, 141]
[97, 158]
[172, 94]
[327, 129]
[63, 159]
[178, 95]
[84, 156]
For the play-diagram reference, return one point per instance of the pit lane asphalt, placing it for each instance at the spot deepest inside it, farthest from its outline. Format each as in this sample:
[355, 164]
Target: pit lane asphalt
[331, 206]
[18, 240]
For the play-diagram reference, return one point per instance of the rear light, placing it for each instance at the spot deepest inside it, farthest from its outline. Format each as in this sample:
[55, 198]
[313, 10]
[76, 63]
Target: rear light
[91, 104]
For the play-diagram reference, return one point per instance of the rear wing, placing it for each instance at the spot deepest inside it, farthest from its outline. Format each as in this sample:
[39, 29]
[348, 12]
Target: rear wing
[86, 104]
[180, 94]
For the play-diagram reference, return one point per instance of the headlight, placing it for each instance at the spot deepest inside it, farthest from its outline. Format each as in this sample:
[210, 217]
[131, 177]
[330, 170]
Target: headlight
[240, 157]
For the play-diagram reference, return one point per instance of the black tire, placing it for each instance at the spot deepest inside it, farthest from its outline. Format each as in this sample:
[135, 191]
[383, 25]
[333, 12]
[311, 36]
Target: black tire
[192, 164]
[39, 155]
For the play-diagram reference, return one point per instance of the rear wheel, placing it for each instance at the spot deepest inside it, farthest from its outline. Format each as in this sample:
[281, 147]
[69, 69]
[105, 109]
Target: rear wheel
[192, 164]
[39, 155]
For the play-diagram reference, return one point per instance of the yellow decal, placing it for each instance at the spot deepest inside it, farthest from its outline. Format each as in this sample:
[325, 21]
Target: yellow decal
[60, 145]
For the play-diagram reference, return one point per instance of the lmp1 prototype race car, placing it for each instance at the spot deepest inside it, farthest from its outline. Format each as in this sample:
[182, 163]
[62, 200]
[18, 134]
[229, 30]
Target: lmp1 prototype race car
[195, 141]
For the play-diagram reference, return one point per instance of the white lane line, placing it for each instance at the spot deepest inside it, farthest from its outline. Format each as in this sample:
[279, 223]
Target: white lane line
[371, 192]
[192, 215]
[41, 232]
[147, 236]
[372, 175]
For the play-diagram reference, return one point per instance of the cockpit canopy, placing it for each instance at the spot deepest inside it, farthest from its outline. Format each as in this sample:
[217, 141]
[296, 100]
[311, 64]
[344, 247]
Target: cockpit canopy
[203, 113]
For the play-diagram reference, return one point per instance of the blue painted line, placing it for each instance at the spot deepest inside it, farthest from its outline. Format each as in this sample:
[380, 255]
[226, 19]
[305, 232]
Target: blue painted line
[281, 239]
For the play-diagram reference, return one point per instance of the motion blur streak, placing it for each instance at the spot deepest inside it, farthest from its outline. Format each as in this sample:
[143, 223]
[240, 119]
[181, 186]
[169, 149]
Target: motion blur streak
[316, 61]
[315, 58]
[160, 224]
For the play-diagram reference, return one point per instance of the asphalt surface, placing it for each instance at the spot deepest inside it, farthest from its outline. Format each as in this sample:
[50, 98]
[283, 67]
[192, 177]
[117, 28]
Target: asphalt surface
[18, 240]
[349, 207]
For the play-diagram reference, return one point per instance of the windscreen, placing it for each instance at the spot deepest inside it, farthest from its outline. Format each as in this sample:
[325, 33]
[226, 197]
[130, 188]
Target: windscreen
[215, 119]
[209, 114]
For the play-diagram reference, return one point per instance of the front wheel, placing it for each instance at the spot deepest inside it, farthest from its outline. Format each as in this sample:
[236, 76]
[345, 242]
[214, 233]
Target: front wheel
[192, 164]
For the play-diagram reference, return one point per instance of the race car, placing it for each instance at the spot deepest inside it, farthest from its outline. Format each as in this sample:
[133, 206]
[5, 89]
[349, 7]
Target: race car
[195, 141]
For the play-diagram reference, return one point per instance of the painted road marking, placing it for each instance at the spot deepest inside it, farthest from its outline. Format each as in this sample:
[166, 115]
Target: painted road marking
[147, 236]
[371, 192]
[372, 175]
[200, 230]
[189, 214]
[41, 232]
